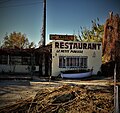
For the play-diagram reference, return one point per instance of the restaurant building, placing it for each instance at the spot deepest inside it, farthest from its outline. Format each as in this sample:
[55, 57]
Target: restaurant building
[65, 52]
[73, 55]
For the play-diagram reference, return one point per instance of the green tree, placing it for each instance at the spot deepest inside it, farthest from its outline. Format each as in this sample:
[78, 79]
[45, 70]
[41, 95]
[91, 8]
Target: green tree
[18, 40]
[95, 34]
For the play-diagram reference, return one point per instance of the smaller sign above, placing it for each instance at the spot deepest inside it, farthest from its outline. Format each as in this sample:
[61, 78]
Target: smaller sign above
[62, 37]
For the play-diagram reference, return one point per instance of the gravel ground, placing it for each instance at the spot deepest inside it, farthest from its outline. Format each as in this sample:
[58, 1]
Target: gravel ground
[15, 91]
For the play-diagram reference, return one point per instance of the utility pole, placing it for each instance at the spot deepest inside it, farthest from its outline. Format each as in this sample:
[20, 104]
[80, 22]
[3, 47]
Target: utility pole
[44, 23]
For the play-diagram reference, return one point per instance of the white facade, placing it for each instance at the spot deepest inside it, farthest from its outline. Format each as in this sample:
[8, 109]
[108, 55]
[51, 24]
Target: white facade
[69, 55]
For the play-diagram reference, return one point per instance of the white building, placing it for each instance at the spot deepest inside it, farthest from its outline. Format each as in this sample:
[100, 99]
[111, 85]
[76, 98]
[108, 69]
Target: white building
[73, 55]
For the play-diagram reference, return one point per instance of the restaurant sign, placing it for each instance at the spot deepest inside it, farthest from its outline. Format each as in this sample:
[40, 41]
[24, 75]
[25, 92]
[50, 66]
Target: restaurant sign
[75, 47]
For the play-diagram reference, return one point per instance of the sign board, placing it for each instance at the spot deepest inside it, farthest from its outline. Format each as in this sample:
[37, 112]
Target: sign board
[78, 45]
[75, 47]
[62, 37]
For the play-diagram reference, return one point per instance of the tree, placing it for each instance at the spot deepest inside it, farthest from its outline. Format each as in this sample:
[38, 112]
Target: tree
[93, 35]
[18, 40]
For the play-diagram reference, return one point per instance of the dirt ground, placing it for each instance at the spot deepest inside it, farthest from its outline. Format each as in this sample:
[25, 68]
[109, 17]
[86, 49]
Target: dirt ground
[18, 91]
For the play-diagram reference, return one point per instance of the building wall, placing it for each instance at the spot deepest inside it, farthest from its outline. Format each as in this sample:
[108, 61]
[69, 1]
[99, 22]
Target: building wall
[16, 68]
[16, 64]
[91, 50]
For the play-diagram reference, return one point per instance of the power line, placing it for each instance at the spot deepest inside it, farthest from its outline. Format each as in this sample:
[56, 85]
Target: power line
[21, 5]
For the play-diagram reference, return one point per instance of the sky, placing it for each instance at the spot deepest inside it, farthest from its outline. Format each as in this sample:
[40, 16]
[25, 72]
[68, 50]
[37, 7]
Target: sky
[63, 16]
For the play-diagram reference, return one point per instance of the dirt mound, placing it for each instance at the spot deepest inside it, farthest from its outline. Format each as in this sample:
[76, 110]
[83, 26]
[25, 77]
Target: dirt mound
[67, 99]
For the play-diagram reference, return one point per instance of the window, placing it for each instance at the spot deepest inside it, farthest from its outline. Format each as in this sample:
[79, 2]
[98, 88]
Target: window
[15, 60]
[3, 59]
[20, 60]
[26, 60]
[83, 62]
[73, 61]
[62, 62]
